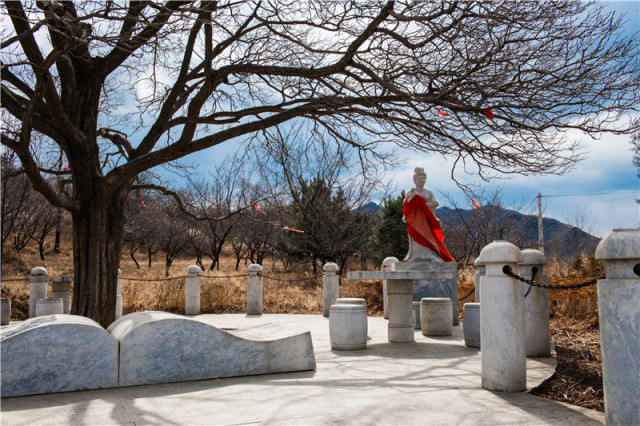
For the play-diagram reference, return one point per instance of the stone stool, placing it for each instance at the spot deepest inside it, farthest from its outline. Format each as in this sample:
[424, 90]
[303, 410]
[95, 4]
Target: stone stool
[471, 324]
[49, 306]
[416, 315]
[435, 316]
[350, 301]
[348, 326]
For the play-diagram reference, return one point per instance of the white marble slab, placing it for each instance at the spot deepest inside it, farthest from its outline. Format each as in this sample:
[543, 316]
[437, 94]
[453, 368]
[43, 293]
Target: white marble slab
[160, 347]
[57, 353]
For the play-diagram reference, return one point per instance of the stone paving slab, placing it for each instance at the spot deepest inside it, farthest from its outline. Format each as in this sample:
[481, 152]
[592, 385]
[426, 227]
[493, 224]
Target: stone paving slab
[430, 381]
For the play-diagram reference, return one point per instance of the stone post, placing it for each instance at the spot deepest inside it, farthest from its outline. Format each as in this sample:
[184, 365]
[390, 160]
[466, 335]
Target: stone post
[400, 328]
[119, 296]
[481, 271]
[254, 290]
[536, 305]
[502, 344]
[330, 287]
[192, 291]
[61, 289]
[619, 312]
[387, 265]
[37, 288]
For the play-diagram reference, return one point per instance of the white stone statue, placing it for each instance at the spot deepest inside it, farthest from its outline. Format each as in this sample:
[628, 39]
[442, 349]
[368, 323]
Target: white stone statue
[425, 235]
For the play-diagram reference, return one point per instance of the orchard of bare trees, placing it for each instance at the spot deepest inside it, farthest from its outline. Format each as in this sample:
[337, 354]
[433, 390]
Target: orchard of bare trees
[97, 96]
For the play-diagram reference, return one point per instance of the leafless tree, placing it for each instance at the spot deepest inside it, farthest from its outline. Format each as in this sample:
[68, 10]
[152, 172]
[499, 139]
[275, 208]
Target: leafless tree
[510, 77]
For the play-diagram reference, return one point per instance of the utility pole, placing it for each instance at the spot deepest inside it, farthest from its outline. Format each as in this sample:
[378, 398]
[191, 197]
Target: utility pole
[540, 232]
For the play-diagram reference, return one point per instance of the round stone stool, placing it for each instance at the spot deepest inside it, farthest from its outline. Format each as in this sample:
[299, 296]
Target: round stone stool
[435, 316]
[416, 315]
[5, 311]
[471, 324]
[348, 326]
[50, 306]
[350, 301]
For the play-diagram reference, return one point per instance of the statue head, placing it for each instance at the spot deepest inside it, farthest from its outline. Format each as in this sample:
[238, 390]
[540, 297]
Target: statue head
[419, 176]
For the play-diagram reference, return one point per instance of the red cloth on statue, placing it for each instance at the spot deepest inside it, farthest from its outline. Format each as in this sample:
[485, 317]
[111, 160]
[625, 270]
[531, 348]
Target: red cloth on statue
[424, 227]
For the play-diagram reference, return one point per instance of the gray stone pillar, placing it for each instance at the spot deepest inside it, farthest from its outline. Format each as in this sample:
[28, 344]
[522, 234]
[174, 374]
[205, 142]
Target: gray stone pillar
[387, 265]
[481, 271]
[119, 296]
[619, 312]
[192, 291]
[61, 288]
[330, 287]
[37, 288]
[502, 344]
[254, 290]
[400, 311]
[536, 305]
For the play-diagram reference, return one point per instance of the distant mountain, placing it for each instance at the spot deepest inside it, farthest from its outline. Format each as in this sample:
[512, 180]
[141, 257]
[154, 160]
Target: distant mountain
[560, 239]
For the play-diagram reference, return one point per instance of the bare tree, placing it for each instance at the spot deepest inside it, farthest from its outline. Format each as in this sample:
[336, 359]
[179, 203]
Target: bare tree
[504, 75]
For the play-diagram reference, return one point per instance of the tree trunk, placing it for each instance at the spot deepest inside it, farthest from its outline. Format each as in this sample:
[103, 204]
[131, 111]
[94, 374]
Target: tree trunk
[98, 231]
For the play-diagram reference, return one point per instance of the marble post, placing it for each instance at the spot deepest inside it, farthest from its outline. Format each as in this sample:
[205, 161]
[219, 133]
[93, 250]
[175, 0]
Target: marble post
[119, 296]
[192, 291]
[387, 265]
[536, 305]
[619, 313]
[254, 290]
[330, 287]
[5, 311]
[61, 288]
[400, 310]
[37, 288]
[481, 271]
[502, 344]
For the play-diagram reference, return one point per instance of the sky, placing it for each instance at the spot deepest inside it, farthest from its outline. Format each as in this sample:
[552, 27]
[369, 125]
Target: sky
[599, 193]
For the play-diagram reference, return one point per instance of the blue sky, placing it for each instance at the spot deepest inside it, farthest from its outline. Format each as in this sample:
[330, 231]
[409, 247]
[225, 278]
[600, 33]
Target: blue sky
[602, 189]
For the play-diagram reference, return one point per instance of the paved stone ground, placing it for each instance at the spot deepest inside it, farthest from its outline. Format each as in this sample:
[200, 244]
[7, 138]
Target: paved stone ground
[432, 381]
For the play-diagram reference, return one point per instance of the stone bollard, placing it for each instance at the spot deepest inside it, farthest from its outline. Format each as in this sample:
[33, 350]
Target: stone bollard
[119, 296]
[471, 324]
[330, 287]
[5, 311]
[619, 314]
[435, 316]
[536, 305]
[37, 288]
[481, 271]
[502, 344]
[50, 306]
[192, 291]
[387, 265]
[61, 288]
[348, 326]
[254, 290]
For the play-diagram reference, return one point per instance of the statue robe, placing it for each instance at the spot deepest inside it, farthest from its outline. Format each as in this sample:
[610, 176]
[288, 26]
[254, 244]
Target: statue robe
[424, 228]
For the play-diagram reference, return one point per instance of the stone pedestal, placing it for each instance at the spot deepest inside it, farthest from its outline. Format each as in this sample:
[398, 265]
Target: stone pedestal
[435, 313]
[471, 324]
[387, 266]
[5, 311]
[254, 290]
[50, 306]
[192, 291]
[37, 288]
[400, 310]
[438, 279]
[348, 326]
[330, 287]
[536, 305]
[62, 289]
[416, 315]
[619, 313]
[503, 343]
